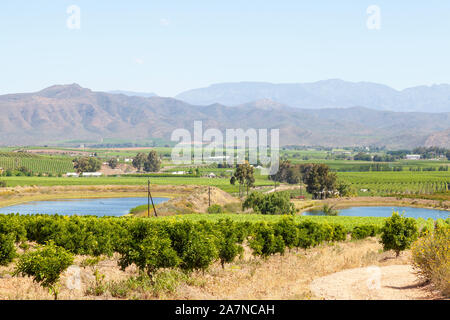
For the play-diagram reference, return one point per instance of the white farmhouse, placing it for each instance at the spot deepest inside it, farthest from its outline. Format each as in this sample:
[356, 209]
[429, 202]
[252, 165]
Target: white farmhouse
[91, 174]
[413, 157]
[72, 174]
[217, 159]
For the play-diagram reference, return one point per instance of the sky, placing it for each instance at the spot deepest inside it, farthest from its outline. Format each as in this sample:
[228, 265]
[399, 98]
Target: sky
[171, 46]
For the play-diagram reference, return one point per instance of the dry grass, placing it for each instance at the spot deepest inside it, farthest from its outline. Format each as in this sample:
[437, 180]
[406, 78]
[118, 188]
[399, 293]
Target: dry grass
[431, 259]
[288, 276]
[196, 201]
[278, 277]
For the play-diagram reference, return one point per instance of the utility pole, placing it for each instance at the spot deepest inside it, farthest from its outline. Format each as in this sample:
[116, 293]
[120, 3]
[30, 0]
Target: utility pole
[149, 196]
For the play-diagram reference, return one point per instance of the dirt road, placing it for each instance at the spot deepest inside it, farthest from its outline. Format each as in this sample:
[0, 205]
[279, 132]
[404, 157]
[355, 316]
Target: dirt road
[395, 282]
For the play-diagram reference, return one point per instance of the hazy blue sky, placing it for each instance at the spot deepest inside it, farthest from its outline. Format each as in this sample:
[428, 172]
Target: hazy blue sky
[170, 46]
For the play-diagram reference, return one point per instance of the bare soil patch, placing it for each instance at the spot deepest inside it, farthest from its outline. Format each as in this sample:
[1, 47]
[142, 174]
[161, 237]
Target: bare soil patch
[121, 168]
[196, 201]
[395, 282]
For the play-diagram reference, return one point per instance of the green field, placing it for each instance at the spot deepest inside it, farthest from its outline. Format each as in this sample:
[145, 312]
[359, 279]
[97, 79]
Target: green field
[35, 163]
[357, 166]
[377, 183]
[223, 184]
[364, 183]
[349, 223]
[407, 182]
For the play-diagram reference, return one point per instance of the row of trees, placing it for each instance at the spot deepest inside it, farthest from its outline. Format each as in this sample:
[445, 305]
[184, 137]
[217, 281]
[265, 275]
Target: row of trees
[150, 245]
[432, 152]
[272, 203]
[244, 175]
[149, 163]
[320, 181]
[362, 156]
[87, 164]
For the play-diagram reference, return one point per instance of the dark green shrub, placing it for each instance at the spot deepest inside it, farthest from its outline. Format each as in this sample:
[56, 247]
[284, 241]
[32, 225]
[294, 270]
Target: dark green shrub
[264, 242]
[326, 233]
[287, 229]
[243, 230]
[7, 249]
[215, 208]
[75, 237]
[45, 265]
[42, 228]
[199, 251]
[398, 233]
[272, 203]
[12, 224]
[149, 254]
[339, 233]
[312, 234]
[364, 231]
[228, 241]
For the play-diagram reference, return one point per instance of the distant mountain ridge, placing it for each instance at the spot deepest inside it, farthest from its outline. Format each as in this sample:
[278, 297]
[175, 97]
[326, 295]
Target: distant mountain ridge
[134, 94]
[70, 112]
[332, 93]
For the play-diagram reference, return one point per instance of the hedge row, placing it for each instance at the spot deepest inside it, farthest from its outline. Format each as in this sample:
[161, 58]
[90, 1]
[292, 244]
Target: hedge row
[152, 244]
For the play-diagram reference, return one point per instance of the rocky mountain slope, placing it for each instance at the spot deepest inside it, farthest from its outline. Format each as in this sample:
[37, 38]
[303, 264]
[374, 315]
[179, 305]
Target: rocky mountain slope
[68, 112]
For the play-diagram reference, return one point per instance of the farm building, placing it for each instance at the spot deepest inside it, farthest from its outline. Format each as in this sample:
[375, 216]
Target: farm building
[91, 174]
[72, 174]
[413, 157]
[217, 158]
[179, 172]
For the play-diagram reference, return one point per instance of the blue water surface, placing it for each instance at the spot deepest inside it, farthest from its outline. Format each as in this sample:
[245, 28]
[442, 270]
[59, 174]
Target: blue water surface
[81, 207]
[387, 212]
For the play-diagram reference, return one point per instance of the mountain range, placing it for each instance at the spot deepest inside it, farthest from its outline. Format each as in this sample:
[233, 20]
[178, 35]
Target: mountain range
[332, 93]
[69, 112]
[133, 93]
